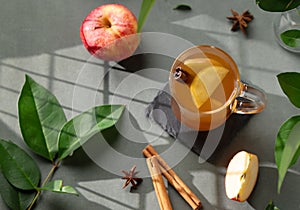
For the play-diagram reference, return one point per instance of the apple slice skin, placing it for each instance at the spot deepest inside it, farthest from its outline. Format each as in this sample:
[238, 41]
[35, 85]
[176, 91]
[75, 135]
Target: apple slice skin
[109, 32]
[241, 176]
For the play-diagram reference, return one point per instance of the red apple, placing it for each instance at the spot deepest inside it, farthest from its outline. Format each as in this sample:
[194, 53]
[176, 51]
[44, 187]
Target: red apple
[109, 32]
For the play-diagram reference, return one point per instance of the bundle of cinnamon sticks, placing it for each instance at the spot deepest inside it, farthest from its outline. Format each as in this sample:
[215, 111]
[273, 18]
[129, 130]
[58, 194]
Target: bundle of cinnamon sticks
[158, 166]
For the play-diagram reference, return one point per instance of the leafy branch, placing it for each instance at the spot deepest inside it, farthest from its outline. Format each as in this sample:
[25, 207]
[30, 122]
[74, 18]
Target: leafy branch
[287, 146]
[47, 133]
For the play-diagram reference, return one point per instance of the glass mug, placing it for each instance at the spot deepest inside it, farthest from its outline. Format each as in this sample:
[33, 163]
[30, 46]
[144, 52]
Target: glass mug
[206, 89]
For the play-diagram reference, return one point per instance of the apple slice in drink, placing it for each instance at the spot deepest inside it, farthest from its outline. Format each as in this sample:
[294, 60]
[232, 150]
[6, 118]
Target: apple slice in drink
[206, 82]
[241, 176]
[211, 104]
[196, 64]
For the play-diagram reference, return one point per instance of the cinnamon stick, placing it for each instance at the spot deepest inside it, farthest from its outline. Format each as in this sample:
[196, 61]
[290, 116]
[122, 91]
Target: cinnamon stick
[174, 179]
[158, 183]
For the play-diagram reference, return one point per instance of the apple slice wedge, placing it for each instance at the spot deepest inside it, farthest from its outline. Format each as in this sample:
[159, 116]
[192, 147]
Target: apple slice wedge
[196, 64]
[241, 176]
[206, 82]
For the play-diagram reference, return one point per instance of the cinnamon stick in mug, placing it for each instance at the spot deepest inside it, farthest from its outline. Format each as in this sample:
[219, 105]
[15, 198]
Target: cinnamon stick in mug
[158, 183]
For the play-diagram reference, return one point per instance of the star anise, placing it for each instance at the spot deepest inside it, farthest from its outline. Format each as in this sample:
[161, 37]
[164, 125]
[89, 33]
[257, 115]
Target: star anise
[240, 21]
[131, 178]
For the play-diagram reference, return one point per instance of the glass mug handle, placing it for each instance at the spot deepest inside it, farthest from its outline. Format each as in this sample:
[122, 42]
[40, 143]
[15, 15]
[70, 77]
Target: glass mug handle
[250, 100]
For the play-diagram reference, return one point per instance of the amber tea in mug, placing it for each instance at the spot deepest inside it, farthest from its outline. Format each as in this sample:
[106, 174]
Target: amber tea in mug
[206, 89]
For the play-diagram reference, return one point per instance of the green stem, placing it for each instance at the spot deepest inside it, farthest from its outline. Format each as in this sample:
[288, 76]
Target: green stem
[289, 3]
[50, 174]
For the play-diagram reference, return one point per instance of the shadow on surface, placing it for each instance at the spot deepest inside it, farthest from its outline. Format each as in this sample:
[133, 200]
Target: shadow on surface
[266, 189]
[255, 134]
[27, 27]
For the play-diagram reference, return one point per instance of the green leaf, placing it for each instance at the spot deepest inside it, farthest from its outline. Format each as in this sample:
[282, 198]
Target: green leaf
[290, 84]
[57, 187]
[144, 11]
[41, 117]
[291, 38]
[271, 206]
[14, 198]
[78, 130]
[183, 7]
[18, 167]
[277, 5]
[287, 147]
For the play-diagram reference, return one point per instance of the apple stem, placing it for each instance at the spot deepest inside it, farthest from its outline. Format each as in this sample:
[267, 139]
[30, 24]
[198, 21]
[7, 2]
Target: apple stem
[105, 23]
